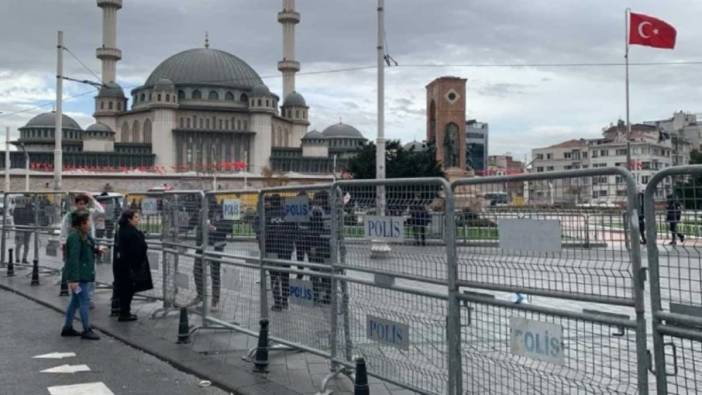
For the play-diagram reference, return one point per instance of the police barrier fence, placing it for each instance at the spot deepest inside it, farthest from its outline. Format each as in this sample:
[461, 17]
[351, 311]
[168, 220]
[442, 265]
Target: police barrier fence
[672, 201]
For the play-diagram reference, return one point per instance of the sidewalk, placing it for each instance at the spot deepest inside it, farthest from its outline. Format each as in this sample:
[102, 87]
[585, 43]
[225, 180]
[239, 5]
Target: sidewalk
[213, 355]
[29, 329]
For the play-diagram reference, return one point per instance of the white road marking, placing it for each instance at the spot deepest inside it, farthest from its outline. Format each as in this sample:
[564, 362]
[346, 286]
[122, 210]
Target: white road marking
[67, 369]
[56, 355]
[81, 389]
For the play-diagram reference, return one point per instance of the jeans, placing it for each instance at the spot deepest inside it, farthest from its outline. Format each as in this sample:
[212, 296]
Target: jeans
[79, 301]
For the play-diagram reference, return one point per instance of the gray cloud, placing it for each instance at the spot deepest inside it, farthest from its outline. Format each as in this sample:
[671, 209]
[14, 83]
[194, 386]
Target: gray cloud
[517, 101]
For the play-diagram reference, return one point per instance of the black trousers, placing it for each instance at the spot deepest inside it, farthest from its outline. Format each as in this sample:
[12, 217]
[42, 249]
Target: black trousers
[280, 281]
[321, 286]
[420, 234]
[125, 293]
[215, 275]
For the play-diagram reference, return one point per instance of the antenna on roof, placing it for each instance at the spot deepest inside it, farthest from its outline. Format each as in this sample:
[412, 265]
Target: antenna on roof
[207, 40]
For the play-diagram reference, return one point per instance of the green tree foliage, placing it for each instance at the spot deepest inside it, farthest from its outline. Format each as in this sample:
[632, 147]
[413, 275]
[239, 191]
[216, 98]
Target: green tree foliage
[689, 191]
[400, 163]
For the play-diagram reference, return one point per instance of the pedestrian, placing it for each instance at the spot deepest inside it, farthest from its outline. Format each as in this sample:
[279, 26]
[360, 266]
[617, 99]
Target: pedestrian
[279, 245]
[673, 215]
[320, 251]
[642, 221]
[79, 271]
[81, 202]
[419, 219]
[217, 229]
[131, 267]
[23, 217]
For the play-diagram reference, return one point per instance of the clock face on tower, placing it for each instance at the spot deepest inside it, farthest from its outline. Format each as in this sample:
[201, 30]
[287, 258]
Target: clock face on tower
[452, 96]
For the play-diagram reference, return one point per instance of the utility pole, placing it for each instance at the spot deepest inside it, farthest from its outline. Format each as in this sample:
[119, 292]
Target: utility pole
[379, 248]
[58, 131]
[7, 159]
[26, 167]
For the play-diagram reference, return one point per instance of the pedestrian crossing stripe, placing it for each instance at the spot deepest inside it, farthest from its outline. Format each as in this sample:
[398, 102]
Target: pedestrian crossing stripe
[81, 389]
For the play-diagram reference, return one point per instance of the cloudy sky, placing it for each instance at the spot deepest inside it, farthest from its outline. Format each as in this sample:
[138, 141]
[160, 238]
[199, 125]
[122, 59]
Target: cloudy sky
[526, 106]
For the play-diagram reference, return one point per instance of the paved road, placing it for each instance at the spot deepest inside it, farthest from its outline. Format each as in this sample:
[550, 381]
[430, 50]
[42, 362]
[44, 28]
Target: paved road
[28, 329]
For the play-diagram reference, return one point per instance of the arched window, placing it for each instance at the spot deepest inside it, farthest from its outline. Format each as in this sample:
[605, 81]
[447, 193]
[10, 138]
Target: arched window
[207, 123]
[297, 113]
[182, 122]
[268, 103]
[260, 103]
[213, 95]
[202, 124]
[147, 131]
[229, 96]
[125, 132]
[245, 124]
[143, 97]
[119, 106]
[158, 97]
[238, 124]
[188, 123]
[244, 98]
[109, 105]
[221, 124]
[181, 95]
[102, 105]
[196, 95]
[168, 97]
[135, 132]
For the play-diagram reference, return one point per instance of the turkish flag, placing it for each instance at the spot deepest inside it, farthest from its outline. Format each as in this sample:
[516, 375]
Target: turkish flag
[651, 32]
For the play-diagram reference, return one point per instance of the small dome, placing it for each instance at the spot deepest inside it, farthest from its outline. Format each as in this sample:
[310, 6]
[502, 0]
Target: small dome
[260, 90]
[342, 131]
[294, 99]
[111, 90]
[48, 120]
[99, 127]
[417, 146]
[313, 135]
[164, 84]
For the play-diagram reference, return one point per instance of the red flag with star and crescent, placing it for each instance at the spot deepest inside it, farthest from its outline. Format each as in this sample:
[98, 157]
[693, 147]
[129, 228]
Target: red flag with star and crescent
[651, 32]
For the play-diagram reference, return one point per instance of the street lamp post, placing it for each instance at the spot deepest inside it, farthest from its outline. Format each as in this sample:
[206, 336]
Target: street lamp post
[58, 130]
[7, 159]
[26, 167]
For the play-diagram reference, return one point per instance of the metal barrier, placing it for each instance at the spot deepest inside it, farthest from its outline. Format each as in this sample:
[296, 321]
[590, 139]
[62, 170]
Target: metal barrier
[554, 312]
[671, 201]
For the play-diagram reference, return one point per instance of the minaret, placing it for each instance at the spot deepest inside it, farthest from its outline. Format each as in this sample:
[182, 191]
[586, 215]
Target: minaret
[108, 53]
[288, 17]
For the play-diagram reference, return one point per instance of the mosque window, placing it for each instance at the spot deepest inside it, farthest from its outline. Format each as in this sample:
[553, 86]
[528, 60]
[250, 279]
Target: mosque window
[268, 103]
[158, 97]
[181, 95]
[229, 96]
[244, 97]
[109, 105]
[168, 97]
[202, 124]
[197, 94]
[182, 122]
[207, 123]
[245, 124]
[147, 131]
[221, 124]
[188, 123]
[297, 113]
[226, 124]
[119, 106]
[102, 105]
[214, 95]
[151, 97]
[260, 103]
[143, 97]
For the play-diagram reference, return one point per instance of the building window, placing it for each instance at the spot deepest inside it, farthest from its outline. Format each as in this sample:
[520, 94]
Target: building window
[158, 97]
[238, 124]
[109, 105]
[221, 124]
[549, 168]
[188, 121]
[181, 95]
[297, 113]
[168, 97]
[244, 98]
[119, 106]
[644, 179]
[147, 131]
[207, 123]
[213, 95]
[197, 95]
[182, 122]
[260, 102]
[143, 97]
[604, 152]
[229, 96]
[540, 156]
[549, 156]
[621, 152]
[566, 155]
[102, 105]
[202, 123]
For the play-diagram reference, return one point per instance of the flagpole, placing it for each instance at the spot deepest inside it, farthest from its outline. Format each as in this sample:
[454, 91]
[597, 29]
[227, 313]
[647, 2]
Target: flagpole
[626, 63]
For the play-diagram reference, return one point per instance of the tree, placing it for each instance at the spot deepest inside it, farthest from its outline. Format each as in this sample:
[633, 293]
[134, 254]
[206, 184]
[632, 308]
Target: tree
[399, 162]
[689, 190]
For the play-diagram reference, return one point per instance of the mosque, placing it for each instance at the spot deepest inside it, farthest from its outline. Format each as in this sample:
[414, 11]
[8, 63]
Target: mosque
[198, 109]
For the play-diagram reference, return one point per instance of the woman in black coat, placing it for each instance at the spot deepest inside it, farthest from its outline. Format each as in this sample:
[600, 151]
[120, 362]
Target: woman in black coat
[132, 272]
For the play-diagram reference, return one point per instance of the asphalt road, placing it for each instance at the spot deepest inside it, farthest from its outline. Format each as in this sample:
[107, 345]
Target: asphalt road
[28, 329]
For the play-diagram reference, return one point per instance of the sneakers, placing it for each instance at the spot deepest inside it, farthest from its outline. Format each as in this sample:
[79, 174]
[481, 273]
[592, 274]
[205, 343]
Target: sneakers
[127, 318]
[89, 335]
[69, 332]
[196, 301]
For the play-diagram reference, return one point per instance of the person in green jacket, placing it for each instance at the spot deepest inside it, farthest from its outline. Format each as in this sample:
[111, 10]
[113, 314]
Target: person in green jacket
[80, 272]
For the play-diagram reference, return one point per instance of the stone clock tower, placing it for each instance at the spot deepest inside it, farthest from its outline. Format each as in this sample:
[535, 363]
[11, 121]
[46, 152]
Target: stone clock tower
[446, 121]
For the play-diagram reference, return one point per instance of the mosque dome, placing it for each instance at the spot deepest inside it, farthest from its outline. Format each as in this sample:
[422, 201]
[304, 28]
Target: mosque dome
[342, 131]
[205, 66]
[260, 90]
[48, 120]
[111, 90]
[99, 127]
[416, 146]
[294, 99]
[164, 84]
[313, 135]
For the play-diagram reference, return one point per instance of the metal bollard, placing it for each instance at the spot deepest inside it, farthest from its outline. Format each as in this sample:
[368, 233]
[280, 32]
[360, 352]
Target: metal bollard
[35, 273]
[10, 264]
[360, 385]
[261, 358]
[183, 327]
